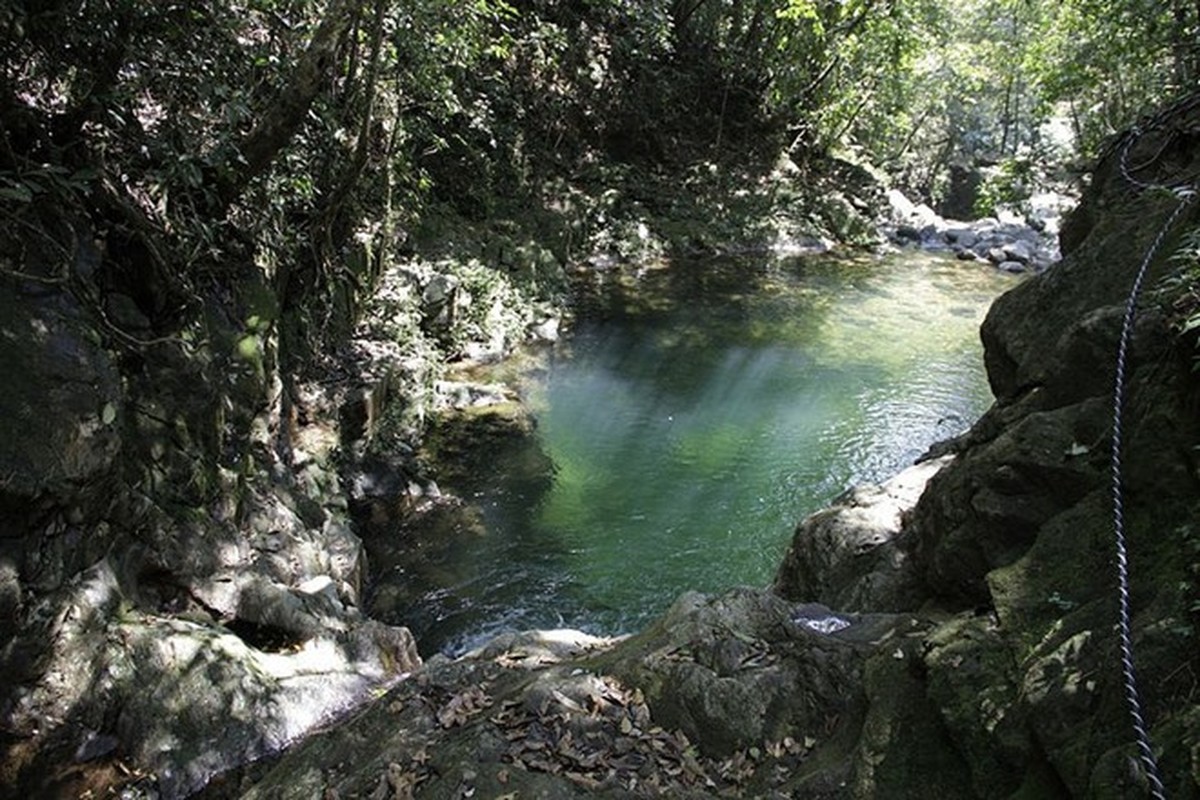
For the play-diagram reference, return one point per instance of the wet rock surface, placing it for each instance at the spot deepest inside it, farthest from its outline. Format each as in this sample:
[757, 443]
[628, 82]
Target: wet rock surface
[1008, 242]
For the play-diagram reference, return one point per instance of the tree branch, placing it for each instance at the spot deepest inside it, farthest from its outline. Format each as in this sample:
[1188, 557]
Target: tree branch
[361, 149]
[261, 145]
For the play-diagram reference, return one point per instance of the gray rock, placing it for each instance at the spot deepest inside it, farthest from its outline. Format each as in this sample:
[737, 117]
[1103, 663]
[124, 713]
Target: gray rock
[1021, 522]
[972, 681]
[1019, 250]
[187, 640]
[441, 301]
[964, 237]
[61, 413]
[848, 556]
[231, 698]
[903, 209]
[438, 290]
[1015, 267]
[10, 593]
[546, 330]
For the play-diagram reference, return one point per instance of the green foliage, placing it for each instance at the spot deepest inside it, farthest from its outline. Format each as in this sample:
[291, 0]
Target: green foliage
[1107, 61]
[924, 85]
[1008, 185]
[272, 157]
[1181, 291]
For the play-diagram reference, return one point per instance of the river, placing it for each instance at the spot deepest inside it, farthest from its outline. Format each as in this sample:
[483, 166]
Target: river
[694, 413]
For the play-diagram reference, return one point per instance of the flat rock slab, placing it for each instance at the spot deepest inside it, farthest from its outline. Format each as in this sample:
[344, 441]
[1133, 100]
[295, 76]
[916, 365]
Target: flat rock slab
[745, 694]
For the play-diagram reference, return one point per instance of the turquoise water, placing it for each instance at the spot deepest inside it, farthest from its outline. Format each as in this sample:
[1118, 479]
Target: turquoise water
[694, 414]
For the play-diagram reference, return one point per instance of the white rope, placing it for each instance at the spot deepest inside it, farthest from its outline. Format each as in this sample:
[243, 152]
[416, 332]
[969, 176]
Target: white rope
[1141, 736]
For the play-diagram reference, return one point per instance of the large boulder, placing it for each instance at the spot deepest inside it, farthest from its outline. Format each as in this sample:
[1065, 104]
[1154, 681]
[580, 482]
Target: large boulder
[1019, 529]
[160, 613]
[849, 555]
[1009, 550]
[191, 648]
[744, 695]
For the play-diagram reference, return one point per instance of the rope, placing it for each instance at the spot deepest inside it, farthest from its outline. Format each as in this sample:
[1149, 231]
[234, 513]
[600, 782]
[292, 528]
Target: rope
[1184, 194]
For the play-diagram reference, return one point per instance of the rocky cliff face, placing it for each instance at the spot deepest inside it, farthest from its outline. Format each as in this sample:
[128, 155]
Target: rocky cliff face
[1014, 536]
[164, 614]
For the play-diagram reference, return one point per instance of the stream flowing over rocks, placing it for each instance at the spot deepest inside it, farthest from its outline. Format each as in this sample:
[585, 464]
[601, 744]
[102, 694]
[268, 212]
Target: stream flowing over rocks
[948, 633]
[1010, 242]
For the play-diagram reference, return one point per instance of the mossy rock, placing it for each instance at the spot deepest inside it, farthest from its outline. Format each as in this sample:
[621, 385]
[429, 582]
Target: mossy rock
[971, 676]
[905, 750]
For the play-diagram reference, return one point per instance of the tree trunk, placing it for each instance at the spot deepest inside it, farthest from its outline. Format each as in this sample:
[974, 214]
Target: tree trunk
[1006, 116]
[350, 176]
[681, 14]
[1183, 44]
[283, 119]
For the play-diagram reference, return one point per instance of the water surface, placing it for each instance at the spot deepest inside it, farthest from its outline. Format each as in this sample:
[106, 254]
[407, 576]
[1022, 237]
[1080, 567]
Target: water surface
[695, 413]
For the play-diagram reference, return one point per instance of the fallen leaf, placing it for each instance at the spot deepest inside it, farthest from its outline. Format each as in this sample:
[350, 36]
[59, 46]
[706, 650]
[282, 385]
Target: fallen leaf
[585, 781]
[566, 702]
[401, 782]
[463, 706]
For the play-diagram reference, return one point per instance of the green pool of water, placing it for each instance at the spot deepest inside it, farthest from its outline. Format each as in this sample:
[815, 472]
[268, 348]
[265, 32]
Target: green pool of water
[695, 413]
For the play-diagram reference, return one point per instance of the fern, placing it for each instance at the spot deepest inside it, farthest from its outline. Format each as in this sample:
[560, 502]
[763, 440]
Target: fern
[1181, 290]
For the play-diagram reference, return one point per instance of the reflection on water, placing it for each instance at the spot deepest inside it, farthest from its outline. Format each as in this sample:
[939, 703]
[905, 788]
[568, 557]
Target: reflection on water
[692, 422]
